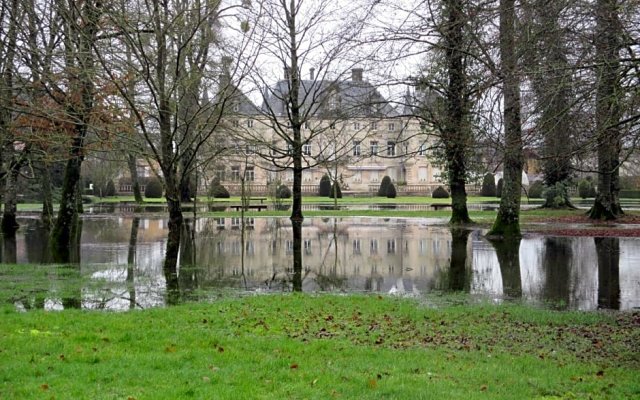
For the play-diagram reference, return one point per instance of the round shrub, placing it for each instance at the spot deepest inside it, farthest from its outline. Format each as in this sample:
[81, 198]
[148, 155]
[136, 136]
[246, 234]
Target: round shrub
[535, 190]
[440, 193]
[488, 186]
[283, 192]
[499, 188]
[217, 191]
[336, 192]
[384, 186]
[153, 190]
[586, 189]
[391, 191]
[325, 186]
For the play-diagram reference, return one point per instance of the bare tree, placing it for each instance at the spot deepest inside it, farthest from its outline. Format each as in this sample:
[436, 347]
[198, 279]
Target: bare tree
[507, 223]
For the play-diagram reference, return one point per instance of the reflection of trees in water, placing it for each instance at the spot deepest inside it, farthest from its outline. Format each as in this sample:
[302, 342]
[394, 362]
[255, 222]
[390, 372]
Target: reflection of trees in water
[508, 253]
[131, 261]
[9, 253]
[170, 265]
[608, 252]
[556, 264]
[458, 277]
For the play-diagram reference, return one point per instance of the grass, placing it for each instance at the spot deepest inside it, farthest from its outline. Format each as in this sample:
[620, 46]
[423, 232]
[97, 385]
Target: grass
[319, 347]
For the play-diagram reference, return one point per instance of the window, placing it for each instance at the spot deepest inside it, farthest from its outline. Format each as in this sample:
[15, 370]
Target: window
[219, 223]
[374, 147]
[306, 125]
[356, 126]
[356, 147]
[307, 246]
[373, 176]
[332, 126]
[235, 123]
[220, 170]
[374, 126]
[306, 149]
[356, 246]
[235, 173]
[288, 246]
[392, 126]
[374, 246]
[235, 222]
[422, 150]
[391, 148]
[422, 174]
[236, 107]
[249, 174]
[391, 246]
[250, 149]
[249, 123]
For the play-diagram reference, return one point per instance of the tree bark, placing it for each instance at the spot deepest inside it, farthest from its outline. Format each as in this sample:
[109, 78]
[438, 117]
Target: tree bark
[456, 129]
[9, 221]
[507, 223]
[608, 111]
[135, 181]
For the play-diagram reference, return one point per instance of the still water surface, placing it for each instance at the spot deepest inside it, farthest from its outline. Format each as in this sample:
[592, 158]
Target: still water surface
[121, 258]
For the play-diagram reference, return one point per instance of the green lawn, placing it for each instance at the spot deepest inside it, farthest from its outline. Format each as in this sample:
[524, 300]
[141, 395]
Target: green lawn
[320, 347]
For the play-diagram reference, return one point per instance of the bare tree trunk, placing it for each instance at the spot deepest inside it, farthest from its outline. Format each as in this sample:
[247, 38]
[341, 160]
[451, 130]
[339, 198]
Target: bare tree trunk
[608, 110]
[507, 223]
[9, 222]
[456, 129]
[47, 197]
[135, 181]
[79, 111]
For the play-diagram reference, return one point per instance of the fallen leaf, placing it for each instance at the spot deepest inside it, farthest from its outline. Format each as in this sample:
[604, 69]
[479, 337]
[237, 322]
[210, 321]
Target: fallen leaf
[314, 382]
[293, 366]
[206, 379]
[600, 373]
[44, 386]
[483, 388]
[373, 383]
[61, 357]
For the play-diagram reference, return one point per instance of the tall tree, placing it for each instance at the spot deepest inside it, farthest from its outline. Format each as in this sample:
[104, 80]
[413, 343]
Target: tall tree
[608, 111]
[507, 223]
[81, 26]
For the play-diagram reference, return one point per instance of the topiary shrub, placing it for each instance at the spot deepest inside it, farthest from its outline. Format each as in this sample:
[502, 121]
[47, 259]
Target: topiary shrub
[283, 192]
[556, 196]
[391, 191]
[440, 193]
[488, 186]
[217, 191]
[586, 189]
[153, 190]
[384, 186]
[110, 189]
[535, 190]
[336, 192]
[499, 188]
[325, 186]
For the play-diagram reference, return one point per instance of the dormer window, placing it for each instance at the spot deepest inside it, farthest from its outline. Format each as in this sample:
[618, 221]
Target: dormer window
[236, 108]
[392, 126]
[249, 123]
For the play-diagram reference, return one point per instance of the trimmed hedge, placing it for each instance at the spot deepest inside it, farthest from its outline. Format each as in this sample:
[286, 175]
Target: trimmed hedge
[384, 186]
[391, 191]
[586, 189]
[283, 192]
[630, 194]
[440, 193]
[324, 189]
[488, 186]
[153, 190]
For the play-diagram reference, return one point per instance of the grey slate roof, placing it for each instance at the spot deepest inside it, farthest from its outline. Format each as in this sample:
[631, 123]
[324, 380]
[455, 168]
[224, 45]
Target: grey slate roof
[329, 99]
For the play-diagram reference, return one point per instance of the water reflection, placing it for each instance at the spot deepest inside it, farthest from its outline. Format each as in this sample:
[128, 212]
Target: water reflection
[123, 262]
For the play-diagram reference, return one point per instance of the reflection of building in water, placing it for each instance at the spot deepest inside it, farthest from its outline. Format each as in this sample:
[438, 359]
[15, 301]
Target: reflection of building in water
[360, 254]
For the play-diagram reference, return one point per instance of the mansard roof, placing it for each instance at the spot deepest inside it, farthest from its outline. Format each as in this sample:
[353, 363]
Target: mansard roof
[330, 99]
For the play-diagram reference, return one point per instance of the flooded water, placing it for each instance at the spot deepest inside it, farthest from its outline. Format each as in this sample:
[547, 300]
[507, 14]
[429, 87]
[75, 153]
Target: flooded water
[120, 263]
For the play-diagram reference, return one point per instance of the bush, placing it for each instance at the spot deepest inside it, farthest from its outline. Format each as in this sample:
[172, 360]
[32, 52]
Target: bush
[325, 186]
[629, 194]
[109, 189]
[488, 186]
[535, 190]
[499, 188]
[283, 192]
[586, 189]
[217, 191]
[153, 190]
[391, 191]
[336, 192]
[384, 186]
[440, 193]
[556, 196]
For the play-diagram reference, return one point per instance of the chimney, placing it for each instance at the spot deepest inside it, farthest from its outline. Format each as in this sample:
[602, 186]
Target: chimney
[225, 74]
[312, 73]
[356, 74]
